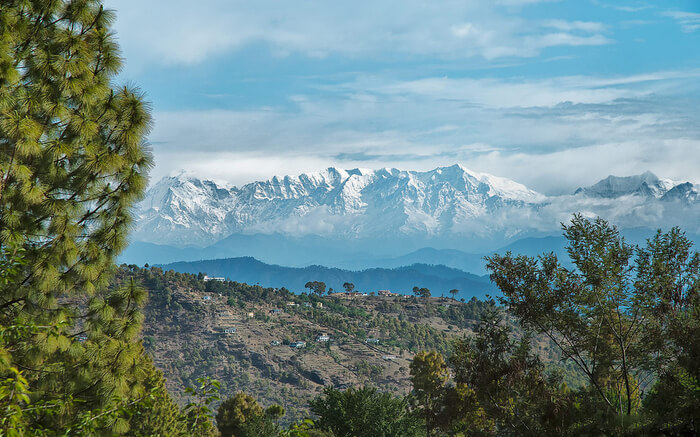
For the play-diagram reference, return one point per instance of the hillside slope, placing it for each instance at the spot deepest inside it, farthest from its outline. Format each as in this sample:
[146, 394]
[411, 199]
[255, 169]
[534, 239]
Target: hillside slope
[186, 320]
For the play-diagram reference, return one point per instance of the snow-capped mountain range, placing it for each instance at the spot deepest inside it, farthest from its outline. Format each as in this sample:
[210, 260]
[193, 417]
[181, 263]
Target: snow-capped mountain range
[448, 203]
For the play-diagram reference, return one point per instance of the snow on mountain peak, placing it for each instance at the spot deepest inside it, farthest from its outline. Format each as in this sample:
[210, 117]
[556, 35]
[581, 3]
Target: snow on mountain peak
[446, 202]
[646, 184]
[355, 202]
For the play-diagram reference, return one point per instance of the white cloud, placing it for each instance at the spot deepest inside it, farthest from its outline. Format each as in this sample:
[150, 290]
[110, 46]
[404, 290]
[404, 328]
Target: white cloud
[689, 21]
[185, 32]
[506, 93]
[553, 135]
[586, 26]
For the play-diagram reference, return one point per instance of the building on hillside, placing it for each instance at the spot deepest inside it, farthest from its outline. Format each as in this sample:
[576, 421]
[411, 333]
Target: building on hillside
[213, 278]
[297, 345]
[275, 311]
[389, 357]
[348, 294]
[250, 315]
[319, 304]
[291, 304]
[322, 338]
[230, 331]
[372, 340]
[306, 304]
[275, 343]
[206, 298]
[385, 293]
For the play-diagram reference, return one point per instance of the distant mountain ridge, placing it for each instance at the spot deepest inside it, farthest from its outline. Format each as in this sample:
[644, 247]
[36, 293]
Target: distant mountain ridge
[359, 218]
[438, 278]
[355, 203]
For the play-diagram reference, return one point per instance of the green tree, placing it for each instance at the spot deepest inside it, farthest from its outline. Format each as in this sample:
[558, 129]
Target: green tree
[500, 386]
[73, 161]
[236, 414]
[275, 412]
[429, 374]
[348, 286]
[616, 315]
[669, 284]
[364, 412]
[421, 292]
[198, 412]
[317, 287]
[157, 414]
[454, 293]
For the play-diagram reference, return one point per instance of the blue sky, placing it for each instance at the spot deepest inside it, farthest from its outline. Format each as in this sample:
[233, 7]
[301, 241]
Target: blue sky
[553, 94]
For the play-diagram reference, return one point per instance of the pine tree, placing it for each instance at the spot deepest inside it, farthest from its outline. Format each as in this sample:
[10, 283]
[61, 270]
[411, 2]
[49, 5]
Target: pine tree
[157, 415]
[73, 160]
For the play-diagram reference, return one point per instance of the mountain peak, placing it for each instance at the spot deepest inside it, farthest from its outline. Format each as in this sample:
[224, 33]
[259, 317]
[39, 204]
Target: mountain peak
[447, 203]
[646, 184]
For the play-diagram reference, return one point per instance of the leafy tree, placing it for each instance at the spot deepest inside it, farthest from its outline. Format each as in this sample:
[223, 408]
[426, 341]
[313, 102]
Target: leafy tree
[429, 374]
[500, 386]
[421, 292]
[348, 286]
[454, 293]
[669, 278]
[198, 412]
[621, 315]
[316, 286]
[364, 412]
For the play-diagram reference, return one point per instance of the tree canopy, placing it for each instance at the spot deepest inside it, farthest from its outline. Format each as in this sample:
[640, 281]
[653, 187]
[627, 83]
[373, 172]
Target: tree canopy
[621, 314]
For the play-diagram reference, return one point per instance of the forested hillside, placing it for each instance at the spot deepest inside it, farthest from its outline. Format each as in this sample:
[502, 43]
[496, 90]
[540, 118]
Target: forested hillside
[372, 338]
[605, 342]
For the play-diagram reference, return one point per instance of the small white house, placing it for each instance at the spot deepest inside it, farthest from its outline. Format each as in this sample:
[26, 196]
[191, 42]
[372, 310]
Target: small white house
[213, 278]
[322, 338]
[230, 331]
[298, 345]
[372, 340]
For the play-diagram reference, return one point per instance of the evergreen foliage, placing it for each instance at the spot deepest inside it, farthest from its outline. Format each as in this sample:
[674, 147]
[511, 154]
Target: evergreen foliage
[73, 160]
[364, 412]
